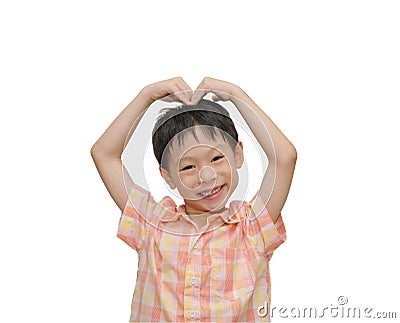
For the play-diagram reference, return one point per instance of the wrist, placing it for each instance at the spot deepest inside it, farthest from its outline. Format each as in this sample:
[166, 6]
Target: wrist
[236, 93]
[146, 95]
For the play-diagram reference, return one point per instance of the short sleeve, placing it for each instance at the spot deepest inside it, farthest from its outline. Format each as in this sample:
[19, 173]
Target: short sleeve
[132, 227]
[262, 231]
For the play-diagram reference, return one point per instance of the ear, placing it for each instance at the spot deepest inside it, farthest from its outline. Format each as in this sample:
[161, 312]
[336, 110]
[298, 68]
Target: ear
[167, 177]
[239, 157]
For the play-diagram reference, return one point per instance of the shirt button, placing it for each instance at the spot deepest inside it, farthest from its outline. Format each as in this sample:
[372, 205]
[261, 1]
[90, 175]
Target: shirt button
[194, 281]
[192, 314]
[196, 245]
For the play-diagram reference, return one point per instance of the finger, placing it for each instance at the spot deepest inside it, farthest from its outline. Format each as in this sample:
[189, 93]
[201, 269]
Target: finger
[187, 96]
[199, 94]
[184, 97]
[202, 89]
[184, 86]
[221, 96]
[185, 93]
[176, 90]
[170, 93]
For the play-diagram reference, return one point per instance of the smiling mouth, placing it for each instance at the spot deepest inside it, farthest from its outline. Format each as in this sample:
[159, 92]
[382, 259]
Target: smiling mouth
[213, 193]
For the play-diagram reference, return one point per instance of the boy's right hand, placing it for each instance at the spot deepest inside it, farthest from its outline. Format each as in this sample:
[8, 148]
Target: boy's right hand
[171, 90]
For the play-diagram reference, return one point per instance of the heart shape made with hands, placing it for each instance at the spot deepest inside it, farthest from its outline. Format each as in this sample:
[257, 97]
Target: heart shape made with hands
[177, 90]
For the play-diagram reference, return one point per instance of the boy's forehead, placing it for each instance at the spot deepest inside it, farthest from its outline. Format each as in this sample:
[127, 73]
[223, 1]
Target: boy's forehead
[189, 142]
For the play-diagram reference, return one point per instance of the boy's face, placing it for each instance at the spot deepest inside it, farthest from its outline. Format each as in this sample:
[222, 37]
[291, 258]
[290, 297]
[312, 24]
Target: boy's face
[204, 171]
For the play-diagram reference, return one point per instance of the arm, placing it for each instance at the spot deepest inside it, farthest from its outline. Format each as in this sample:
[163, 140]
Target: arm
[280, 151]
[107, 150]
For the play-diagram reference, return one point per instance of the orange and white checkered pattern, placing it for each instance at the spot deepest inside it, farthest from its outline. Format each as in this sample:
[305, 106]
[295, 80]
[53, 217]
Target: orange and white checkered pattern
[219, 273]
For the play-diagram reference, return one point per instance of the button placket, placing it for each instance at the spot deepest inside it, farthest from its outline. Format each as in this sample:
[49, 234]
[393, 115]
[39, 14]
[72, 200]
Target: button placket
[192, 279]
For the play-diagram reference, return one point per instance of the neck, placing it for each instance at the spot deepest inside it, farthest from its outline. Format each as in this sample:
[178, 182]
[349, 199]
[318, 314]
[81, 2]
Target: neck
[195, 212]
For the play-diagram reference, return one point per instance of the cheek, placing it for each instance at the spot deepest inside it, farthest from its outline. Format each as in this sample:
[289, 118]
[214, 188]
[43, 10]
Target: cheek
[234, 181]
[188, 179]
[225, 168]
[230, 174]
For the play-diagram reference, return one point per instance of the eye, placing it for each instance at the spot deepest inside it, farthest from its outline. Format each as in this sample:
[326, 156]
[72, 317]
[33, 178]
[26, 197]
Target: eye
[187, 167]
[218, 157]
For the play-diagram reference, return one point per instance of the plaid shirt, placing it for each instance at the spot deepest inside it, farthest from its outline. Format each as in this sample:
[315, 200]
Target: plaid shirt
[219, 273]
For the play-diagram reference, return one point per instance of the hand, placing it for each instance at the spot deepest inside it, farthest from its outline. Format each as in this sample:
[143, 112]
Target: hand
[171, 90]
[222, 91]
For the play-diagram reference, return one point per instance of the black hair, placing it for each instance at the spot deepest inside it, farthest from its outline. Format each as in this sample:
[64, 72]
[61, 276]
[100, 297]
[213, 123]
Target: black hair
[173, 121]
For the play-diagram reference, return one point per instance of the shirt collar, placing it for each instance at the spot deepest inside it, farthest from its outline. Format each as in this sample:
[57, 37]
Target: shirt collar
[233, 214]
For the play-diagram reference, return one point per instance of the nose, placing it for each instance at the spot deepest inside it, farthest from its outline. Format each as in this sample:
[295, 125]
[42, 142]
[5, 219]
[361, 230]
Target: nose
[207, 174]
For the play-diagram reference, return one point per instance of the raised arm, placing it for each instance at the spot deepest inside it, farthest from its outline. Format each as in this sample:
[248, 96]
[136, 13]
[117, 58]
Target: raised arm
[280, 151]
[107, 150]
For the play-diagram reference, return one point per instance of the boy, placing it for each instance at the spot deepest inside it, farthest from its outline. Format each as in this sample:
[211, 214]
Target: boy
[200, 261]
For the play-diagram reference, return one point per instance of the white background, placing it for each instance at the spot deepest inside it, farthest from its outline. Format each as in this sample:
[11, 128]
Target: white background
[326, 72]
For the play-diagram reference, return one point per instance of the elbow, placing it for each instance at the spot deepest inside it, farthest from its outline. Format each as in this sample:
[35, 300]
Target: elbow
[94, 151]
[293, 153]
[93, 154]
[288, 155]
[99, 153]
